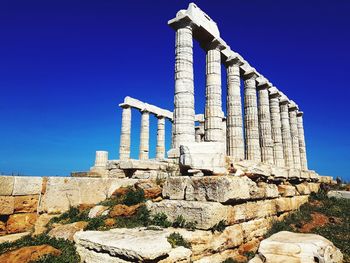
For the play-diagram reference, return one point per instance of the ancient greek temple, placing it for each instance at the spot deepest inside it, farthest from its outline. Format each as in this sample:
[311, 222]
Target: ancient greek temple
[267, 128]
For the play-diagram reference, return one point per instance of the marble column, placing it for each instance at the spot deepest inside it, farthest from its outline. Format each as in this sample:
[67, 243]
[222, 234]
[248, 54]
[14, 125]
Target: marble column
[293, 108]
[278, 156]
[234, 122]
[213, 107]
[286, 135]
[302, 145]
[144, 136]
[160, 150]
[184, 113]
[251, 123]
[101, 159]
[124, 148]
[265, 129]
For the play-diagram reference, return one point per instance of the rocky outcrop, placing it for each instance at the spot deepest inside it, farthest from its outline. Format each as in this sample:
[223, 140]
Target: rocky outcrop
[18, 223]
[286, 246]
[124, 210]
[28, 254]
[339, 194]
[67, 231]
[98, 210]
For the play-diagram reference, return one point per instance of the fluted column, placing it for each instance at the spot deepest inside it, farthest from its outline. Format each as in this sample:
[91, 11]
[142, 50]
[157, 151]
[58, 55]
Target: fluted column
[286, 135]
[294, 133]
[124, 148]
[101, 159]
[184, 114]
[251, 124]
[278, 156]
[234, 122]
[213, 107]
[266, 142]
[160, 150]
[302, 145]
[144, 136]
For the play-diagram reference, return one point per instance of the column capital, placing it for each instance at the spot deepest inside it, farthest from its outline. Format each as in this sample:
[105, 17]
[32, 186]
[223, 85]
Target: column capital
[215, 44]
[292, 106]
[181, 21]
[273, 92]
[233, 60]
[124, 105]
[300, 113]
[283, 98]
[250, 74]
[263, 83]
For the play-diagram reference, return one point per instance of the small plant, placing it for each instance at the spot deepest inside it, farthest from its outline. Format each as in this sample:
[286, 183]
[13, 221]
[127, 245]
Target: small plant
[161, 219]
[141, 218]
[177, 240]
[219, 227]
[70, 216]
[96, 223]
[191, 225]
[179, 222]
[229, 260]
[134, 197]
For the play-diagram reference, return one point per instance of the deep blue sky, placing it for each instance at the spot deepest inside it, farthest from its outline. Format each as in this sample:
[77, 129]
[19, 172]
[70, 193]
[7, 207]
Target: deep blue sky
[65, 66]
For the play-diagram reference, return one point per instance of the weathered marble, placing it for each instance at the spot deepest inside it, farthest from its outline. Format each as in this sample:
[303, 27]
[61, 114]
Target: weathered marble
[286, 134]
[251, 122]
[144, 136]
[234, 122]
[160, 150]
[293, 108]
[101, 159]
[124, 149]
[302, 146]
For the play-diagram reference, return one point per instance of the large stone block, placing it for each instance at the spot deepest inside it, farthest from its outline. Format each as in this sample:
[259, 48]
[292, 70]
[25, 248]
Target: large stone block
[26, 203]
[252, 169]
[285, 204]
[256, 228]
[205, 214]
[291, 247]
[286, 190]
[175, 187]
[6, 205]
[6, 185]
[27, 185]
[303, 188]
[18, 223]
[339, 194]
[208, 157]
[63, 192]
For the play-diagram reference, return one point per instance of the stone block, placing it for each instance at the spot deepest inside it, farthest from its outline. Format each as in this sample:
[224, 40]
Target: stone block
[252, 168]
[18, 223]
[175, 187]
[303, 188]
[256, 228]
[291, 247]
[206, 214]
[7, 205]
[286, 190]
[285, 204]
[13, 237]
[339, 194]
[266, 191]
[27, 185]
[314, 187]
[279, 172]
[6, 185]
[294, 173]
[67, 231]
[26, 203]
[208, 157]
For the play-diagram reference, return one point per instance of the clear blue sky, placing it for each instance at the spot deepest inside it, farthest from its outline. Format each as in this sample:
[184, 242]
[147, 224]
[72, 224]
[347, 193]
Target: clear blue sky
[65, 66]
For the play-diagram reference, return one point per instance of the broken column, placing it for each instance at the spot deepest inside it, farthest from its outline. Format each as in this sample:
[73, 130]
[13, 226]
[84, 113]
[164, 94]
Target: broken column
[302, 146]
[124, 148]
[251, 124]
[184, 125]
[213, 107]
[160, 150]
[286, 135]
[276, 127]
[101, 159]
[293, 108]
[144, 136]
[266, 142]
[234, 122]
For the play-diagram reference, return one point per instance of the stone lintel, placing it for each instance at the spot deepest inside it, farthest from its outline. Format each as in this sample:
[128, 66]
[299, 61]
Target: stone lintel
[300, 113]
[233, 60]
[283, 98]
[250, 73]
[273, 92]
[215, 44]
[292, 106]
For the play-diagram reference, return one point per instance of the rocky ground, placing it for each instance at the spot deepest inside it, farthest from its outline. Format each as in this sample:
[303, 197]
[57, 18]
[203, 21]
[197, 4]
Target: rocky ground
[52, 241]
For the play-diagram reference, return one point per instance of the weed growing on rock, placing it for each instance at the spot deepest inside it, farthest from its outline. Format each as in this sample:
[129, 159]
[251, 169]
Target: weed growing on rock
[179, 222]
[161, 220]
[219, 227]
[134, 197]
[71, 216]
[177, 240]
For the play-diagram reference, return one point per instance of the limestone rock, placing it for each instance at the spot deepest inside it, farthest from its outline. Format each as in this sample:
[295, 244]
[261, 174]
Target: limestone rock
[6, 185]
[151, 189]
[286, 246]
[98, 211]
[285, 204]
[256, 228]
[28, 254]
[252, 168]
[206, 214]
[175, 187]
[124, 210]
[2, 228]
[265, 190]
[26, 203]
[67, 231]
[21, 222]
[303, 188]
[41, 222]
[178, 255]
[13, 237]
[134, 245]
[286, 190]
[110, 222]
[6, 205]
[27, 185]
[339, 194]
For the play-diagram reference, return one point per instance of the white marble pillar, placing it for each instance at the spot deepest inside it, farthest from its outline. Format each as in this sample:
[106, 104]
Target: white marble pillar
[124, 148]
[302, 145]
[101, 159]
[234, 122]
[278, 156]
[286, 135]
[293, 108]
[144, 136]
[213, 107]
[265, 129]
[184, 113]
[251, 123]
[160, 150]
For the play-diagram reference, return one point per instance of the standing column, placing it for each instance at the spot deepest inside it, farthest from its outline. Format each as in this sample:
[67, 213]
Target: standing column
[184, 124]
[276, 128]
[160, 138]
[251, 124]
[302, 146]
[213, 107]
[144, 136]
[124, 148]
[266, 142]
[235, 139]
[286, 135]
[294, 133]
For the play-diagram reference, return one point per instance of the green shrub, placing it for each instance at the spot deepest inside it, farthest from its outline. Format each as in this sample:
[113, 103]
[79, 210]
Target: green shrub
[191, 225]
[229, 260]
[179, 222]
[141, 218]
[176, 240]
[161, 219]
[96, 223]
[134, 197]
[70, 216]
[220, 227]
